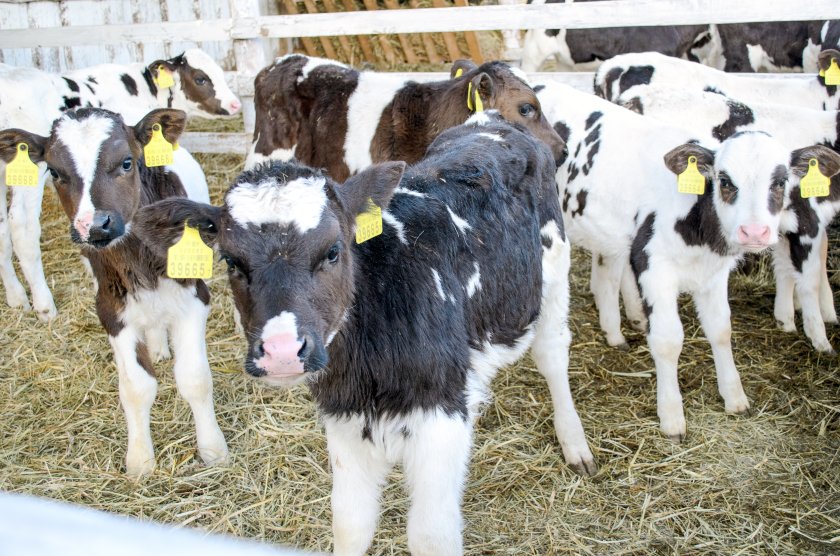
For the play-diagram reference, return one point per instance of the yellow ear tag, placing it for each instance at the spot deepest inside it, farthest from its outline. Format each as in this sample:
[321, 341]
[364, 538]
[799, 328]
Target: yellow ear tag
[369, 223]
[190, 257]
[691, 180]
[459, 72]
[21, 170]
[479, 106]
[815, 183]
[158, 151]
[832, 74]
[164, 78]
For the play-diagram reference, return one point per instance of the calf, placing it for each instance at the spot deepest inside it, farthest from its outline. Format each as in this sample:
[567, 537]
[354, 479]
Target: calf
[800, 256]
[32, 99]
[329, 116]
[97, 165]
[400, 336]
[585, 49]
[621, 203]
[775, 46]
[617, 75]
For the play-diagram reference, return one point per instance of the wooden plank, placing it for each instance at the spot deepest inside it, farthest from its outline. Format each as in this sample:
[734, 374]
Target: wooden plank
[449, 38]
[405, 40]
[346, 47]
[364, 42]
[472, 41]
[308, 44]
[576, 15]
[428, 41]
[325, 41]
[384, 44]
[250, 56]
[216, 143]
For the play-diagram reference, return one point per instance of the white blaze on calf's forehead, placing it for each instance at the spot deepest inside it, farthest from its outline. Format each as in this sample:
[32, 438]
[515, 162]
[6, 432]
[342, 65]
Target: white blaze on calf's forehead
[751, 159]
[300, 202]
[83, 140]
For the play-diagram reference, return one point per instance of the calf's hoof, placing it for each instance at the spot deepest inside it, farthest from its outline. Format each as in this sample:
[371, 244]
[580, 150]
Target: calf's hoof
[214, 456]
[16, 299]
[584, 468]
[785, 326]
[46, 314]
[677, 438]
[139, 468]
[639, 325]
[739, 407]
[674, 429]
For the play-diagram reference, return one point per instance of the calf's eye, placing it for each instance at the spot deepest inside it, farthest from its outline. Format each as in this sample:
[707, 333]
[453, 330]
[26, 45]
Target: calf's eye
[200, 81]
[725, 183]
[126, 165]
[527, 110]
[779, 184]
[332, 254]
[53, 173]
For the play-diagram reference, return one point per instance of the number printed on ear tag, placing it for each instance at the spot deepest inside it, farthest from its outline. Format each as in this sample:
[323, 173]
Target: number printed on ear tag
[158, 151]
[815, 183]
[691, 180]
[369, 223]
[21, 170]
[190, 257]
[164, 78]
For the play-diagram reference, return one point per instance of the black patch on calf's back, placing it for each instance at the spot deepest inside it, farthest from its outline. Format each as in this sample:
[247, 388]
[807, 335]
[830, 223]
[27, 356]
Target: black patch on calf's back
[129, 83]
[739, 115]
[71, 103]
[581, 201]
[590, 156]
[564, 132]
[609, 79]
[592, 118]
[635, 105]
[701, 227]
[72, 84]
[714, 90]
[635, 75]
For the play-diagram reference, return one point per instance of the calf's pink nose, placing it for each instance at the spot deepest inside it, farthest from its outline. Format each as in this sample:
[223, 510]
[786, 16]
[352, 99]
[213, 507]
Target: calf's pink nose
[234, 105]
[282, 347]
[83, 224]
[754, 234]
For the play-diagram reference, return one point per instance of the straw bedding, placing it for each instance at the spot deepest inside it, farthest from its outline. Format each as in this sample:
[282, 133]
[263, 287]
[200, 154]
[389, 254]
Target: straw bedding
[763, 484]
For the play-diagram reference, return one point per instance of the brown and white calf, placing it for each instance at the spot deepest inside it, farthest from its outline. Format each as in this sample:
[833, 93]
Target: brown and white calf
[32, 99]
[327, 115]
[97, 166]
[400, 336]
[621, 203]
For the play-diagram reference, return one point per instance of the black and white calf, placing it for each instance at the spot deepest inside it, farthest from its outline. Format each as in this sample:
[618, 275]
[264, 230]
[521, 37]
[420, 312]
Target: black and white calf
[585, 49]
[621, 203]
[779, 46]
[800, 257]
[617, 75]
[97, 166]
[399, 337]
[32, 99]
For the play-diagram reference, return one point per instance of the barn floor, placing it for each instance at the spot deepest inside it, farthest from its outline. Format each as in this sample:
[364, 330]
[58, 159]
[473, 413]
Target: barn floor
[764, 484]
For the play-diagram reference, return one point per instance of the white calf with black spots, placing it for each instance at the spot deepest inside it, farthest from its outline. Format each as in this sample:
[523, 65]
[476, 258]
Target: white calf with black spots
[620, 202]
[800, 257]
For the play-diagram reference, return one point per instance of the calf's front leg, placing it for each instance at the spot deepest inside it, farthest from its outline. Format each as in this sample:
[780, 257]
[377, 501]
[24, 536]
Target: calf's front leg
[194, 381]
[713, 310]
[138, 389]
[15, 293]
[436, 459]
[358, 475]
[665, 339]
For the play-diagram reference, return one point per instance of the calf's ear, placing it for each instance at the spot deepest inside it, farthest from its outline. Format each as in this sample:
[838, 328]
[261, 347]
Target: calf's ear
[483, 86]
[161, 224]
[826, 56]
[828, 160]
[376, 182]
[677, 159]
[171, 121]
[463, 66]
[11, 138]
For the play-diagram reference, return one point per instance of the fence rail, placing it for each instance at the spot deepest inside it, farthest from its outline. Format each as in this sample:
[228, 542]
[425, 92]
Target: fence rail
[246, 29]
